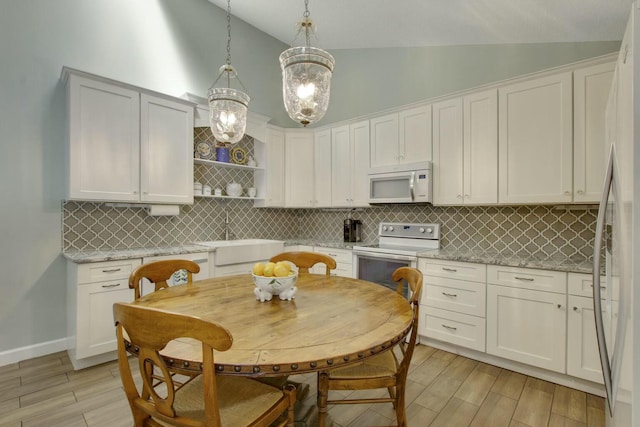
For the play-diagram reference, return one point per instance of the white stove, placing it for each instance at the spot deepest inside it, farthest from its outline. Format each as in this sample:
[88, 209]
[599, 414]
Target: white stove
[398, 246]
[403, 239]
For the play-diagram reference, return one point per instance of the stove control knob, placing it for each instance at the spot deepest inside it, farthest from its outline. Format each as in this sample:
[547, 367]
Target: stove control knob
[384, 228]
[390, 228]
[429, 230]
[422, 229]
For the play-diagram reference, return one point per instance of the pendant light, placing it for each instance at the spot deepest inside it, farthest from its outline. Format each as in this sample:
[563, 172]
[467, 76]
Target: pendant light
[306, 77]
[227, 106]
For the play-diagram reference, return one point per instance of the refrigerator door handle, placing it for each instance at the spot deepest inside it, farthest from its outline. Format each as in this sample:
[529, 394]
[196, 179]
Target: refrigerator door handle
[597, 303]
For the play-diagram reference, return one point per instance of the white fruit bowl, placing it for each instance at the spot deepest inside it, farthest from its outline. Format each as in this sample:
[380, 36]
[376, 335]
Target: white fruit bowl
[267, 287]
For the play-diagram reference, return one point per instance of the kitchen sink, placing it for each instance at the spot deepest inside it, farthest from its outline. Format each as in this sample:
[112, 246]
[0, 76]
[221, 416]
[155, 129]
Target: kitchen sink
[243, 250]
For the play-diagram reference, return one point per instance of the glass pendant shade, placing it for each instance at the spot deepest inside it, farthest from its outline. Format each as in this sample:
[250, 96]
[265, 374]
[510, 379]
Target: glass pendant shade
[306, 82]
[228, 114]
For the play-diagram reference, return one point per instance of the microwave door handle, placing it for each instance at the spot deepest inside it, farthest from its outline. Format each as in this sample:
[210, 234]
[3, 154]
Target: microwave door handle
[411, 184]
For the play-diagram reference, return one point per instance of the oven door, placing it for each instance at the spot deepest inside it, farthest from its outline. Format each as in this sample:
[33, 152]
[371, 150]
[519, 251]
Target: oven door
[379, 267]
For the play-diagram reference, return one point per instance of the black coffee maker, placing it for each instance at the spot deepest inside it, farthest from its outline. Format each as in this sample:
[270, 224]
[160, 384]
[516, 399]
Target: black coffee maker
[352, 229]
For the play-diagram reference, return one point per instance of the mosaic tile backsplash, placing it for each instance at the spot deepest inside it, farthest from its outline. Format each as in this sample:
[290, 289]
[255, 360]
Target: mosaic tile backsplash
[545, 231]
[530, 230]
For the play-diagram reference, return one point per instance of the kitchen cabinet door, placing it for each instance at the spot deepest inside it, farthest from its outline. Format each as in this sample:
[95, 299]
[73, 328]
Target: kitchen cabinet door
[341, 167]
[384, 140]
[583, 357]
[414, 142]
[104, 141]
[166, 151]
[299, 175]
[590, 94]
[527, 326]
[322, 169]
[270, 180]
[447, 153]
[480, 152]
[359, 158]
[535, 123]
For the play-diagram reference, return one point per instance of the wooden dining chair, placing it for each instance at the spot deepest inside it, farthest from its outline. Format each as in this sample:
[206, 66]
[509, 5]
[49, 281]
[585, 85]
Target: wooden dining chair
[158, 272]
[385, 370]
[208, 400]
[305, 260]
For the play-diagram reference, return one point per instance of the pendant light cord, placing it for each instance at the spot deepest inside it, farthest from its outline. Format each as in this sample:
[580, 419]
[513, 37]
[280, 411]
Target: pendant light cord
[229, 41]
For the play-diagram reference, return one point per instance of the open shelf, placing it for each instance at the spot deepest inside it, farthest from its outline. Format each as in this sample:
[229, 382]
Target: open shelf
[228, 197]
[226, 165]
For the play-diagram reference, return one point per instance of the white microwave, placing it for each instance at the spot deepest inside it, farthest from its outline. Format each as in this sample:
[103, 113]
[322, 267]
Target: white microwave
[404, 186]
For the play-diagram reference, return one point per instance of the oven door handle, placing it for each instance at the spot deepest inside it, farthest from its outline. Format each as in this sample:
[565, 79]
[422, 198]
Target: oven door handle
[385, 256]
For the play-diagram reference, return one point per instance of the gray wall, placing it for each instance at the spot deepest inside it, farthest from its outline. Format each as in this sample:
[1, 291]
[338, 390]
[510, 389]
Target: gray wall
[172, 46]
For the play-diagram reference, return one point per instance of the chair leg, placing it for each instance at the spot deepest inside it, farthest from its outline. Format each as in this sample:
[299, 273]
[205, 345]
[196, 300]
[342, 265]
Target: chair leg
[322, 396]
[290, 390]
[392, 394]
[399, 405]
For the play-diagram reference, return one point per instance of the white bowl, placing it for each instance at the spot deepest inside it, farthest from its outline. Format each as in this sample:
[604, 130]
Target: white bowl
[266, 287]
[234, 189]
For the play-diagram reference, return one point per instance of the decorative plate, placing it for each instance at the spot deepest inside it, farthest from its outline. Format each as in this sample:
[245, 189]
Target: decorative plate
[204, 150]
[238, 156]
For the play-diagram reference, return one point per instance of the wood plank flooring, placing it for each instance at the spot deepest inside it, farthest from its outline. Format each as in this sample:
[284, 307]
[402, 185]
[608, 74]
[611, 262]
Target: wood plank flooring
[443, 390]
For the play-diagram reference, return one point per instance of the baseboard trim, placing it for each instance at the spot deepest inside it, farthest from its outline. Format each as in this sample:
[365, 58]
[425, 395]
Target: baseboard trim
[15, 355]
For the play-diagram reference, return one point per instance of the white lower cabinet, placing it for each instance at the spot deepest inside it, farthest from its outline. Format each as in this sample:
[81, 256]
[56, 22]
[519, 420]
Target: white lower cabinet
[453, 302]
[344, 262]
[92, 289]
[583, 360]
[527, 326]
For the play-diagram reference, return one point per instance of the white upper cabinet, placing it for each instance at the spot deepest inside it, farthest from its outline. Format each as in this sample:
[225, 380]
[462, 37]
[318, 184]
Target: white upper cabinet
[270, 179]
[126, 145]
[480, 135]
[448, 153]
[591, 87]
[403, 137]
[535, 140]
[166, 153]
[465, 150]
[299, 168]
[322, 169]
[350, 166]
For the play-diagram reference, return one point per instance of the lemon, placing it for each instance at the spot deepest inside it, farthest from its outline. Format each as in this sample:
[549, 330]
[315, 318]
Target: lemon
[284, 264]
[258, 269]
[280, 270]
[268, 269]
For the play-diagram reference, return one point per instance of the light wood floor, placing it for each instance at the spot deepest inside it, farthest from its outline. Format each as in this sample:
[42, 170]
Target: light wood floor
[443, 390]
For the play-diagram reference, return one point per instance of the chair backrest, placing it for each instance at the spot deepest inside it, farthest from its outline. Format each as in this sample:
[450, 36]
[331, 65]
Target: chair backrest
[158, 272]
[305, 260]
[148, 331]
[413, 277]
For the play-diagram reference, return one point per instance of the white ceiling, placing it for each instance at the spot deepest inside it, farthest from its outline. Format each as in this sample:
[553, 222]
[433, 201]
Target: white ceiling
[348, 24]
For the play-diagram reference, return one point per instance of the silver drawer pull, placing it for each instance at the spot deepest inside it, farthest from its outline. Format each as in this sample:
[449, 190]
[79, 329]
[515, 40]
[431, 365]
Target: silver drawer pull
[527, 279]
[111, 270]
[449, 295]
[115, 285]
[201, 260]
[601, 286]
[330, 254]
[449, 327]
[449, 269]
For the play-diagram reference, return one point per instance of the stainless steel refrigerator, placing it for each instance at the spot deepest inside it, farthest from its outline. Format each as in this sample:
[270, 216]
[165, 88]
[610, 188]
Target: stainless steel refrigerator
[617, 243]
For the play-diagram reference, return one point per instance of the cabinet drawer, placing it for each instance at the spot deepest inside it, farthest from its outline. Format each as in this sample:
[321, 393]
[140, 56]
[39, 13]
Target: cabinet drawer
[453, 269]
[455, 328]
[455, 295]
[582, 285]
[342, 256]
[109, 270]
[528, 278]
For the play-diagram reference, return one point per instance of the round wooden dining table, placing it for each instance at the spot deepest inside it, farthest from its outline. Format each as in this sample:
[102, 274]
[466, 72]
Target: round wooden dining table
[332, 321]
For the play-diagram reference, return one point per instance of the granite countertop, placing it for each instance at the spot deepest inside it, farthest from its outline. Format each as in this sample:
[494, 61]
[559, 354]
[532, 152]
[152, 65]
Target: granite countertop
[568, 264]
[82, 257]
